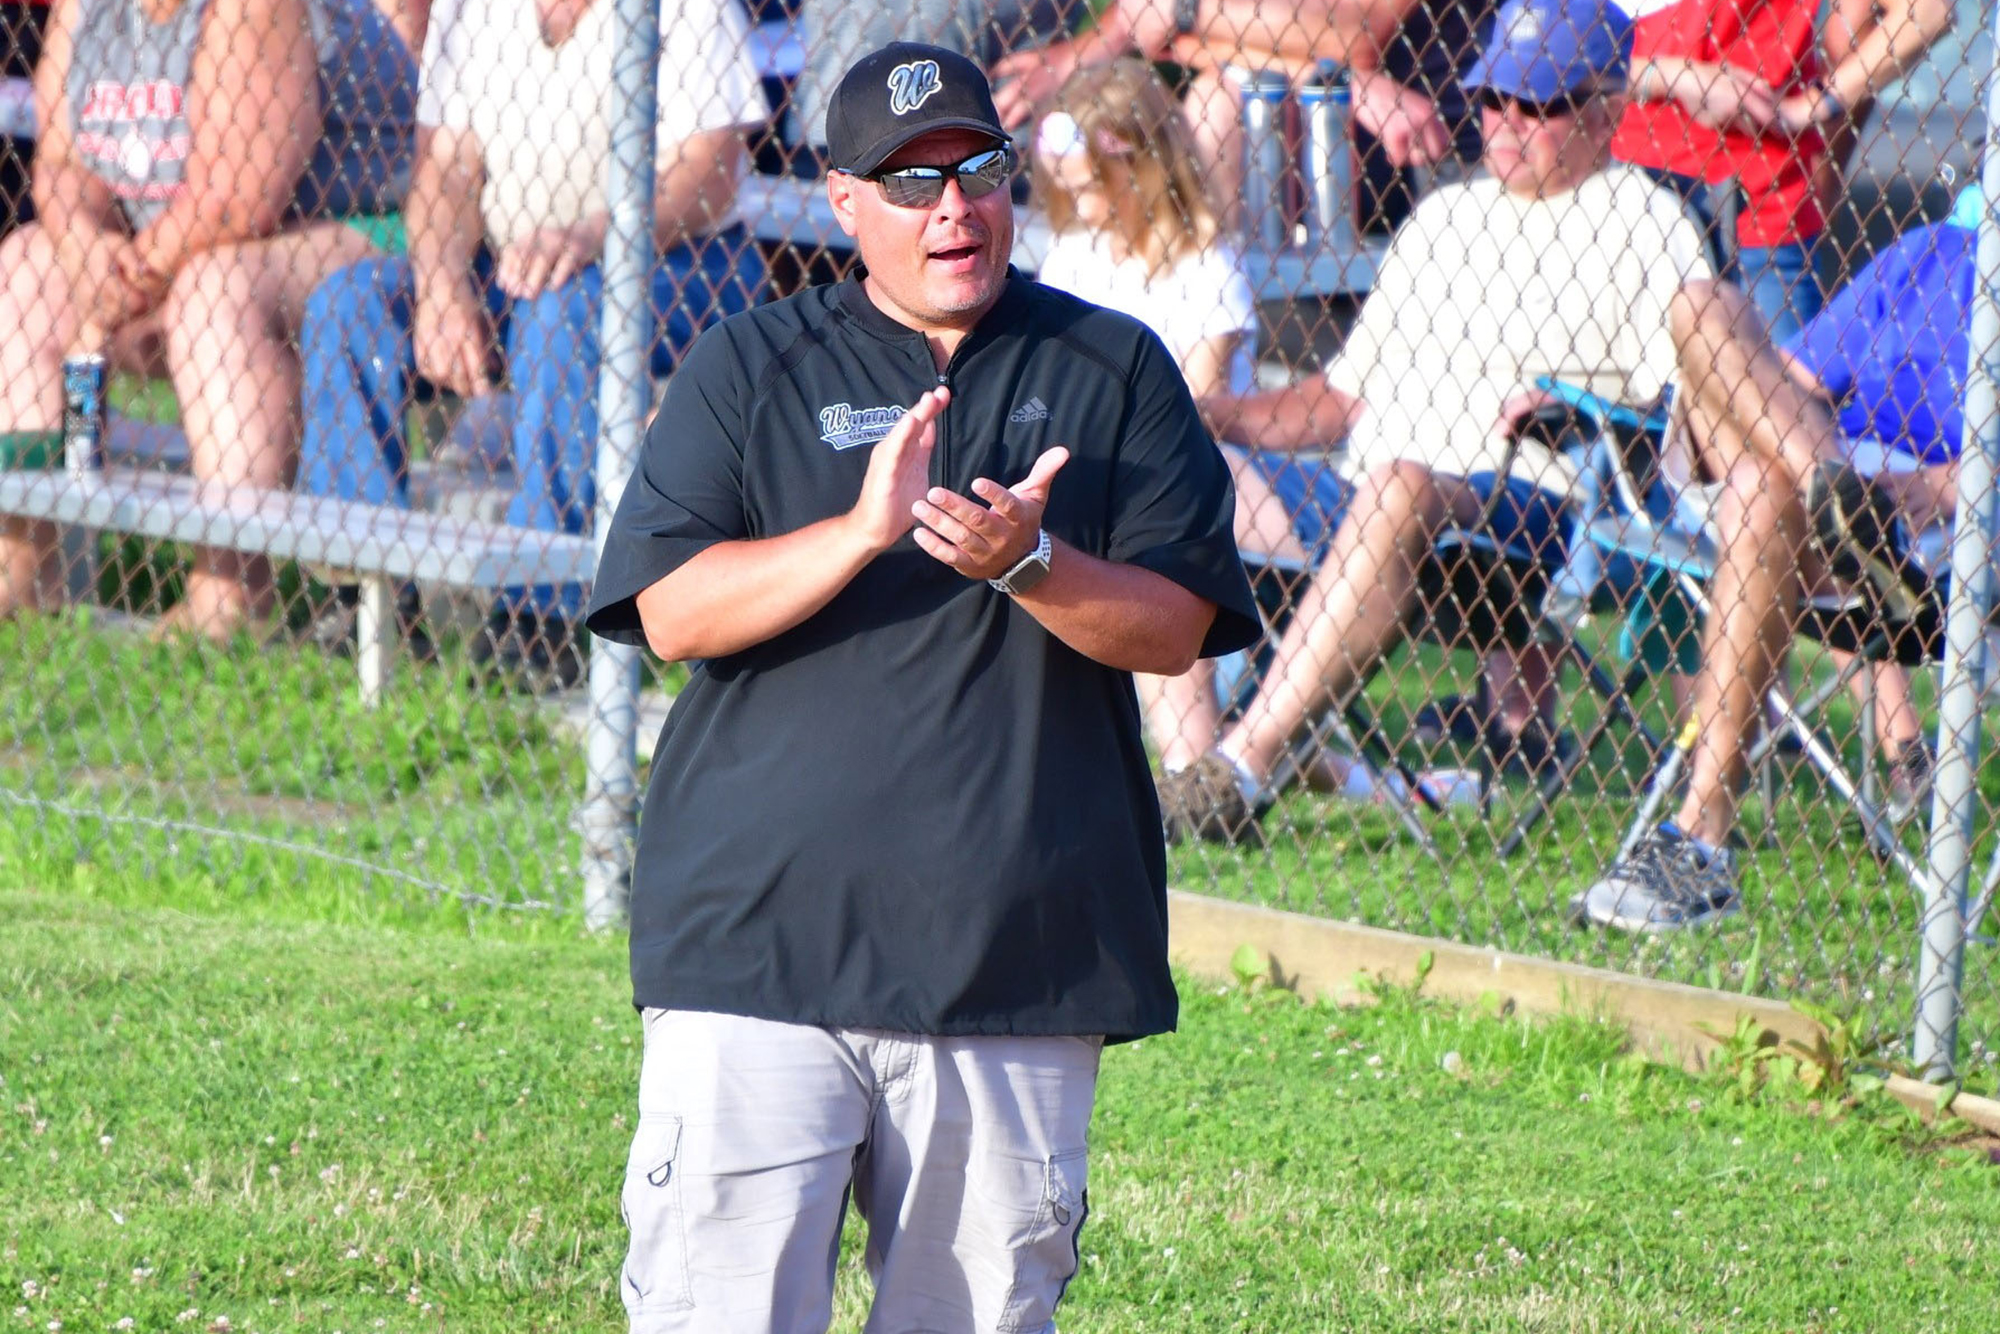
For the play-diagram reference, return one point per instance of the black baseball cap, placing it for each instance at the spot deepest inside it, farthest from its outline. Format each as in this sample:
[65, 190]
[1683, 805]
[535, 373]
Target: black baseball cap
[906, 89]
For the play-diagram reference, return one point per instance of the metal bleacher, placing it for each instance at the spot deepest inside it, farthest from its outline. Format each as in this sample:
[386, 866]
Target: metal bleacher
[452, 538]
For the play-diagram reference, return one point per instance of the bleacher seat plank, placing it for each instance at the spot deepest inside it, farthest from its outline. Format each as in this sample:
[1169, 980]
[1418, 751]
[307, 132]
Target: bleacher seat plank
[341, 535]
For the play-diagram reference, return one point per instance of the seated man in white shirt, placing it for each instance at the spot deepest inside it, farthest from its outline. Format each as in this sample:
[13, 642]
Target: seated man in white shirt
[1557, 263]
[507, 215]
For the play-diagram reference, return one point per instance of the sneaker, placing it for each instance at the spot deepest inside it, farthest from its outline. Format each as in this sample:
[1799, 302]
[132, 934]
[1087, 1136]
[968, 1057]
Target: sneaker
[525, 652]
[1910, 774]
[1666, 883]
[1855, 523]
[1206, 801]
[335, 630]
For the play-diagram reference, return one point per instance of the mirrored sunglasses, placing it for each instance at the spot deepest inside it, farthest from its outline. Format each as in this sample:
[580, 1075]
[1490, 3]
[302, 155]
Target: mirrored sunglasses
[921, 187]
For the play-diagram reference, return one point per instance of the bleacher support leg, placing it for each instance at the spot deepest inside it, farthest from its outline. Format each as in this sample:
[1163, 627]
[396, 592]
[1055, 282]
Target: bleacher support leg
[371, 638]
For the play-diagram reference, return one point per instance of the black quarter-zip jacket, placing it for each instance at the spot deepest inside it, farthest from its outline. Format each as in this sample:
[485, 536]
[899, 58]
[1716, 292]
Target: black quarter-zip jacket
[917, 810]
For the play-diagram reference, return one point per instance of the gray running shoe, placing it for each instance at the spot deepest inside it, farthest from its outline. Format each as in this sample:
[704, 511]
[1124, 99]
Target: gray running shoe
[1205, 801]
[1666, 883]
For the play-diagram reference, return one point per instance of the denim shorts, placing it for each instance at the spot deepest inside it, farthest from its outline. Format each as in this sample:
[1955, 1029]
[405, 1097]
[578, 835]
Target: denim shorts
[1527, 519]
[1313, 493]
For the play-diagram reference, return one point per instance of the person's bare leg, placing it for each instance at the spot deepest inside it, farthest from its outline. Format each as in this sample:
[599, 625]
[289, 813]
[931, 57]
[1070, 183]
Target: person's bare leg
[1353, 614]
[40, 325]
[1521, 684]
[1214, 109]
[1927, 496]
[1263, 526]
[232, 347]
[1182, 714]
[1734, 373]
[1755, 588]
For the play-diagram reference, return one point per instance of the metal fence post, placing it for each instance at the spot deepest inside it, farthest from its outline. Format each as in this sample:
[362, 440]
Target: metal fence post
[611, 777]
[1955, 801]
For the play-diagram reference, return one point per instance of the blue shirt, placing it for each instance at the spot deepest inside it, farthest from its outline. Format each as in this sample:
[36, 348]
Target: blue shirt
[1891, 346]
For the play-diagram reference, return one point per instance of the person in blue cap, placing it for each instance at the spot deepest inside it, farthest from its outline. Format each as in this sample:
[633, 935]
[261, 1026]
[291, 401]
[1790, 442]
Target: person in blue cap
[1559, 263]
[1825, 455]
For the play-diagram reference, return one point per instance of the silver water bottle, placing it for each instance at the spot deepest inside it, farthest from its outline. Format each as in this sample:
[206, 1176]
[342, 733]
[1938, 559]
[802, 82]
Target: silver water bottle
[1264, 158]
[1328, 110]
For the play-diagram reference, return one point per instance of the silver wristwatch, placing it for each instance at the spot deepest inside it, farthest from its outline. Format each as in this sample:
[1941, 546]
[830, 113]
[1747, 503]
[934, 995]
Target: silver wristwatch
[1030, 570]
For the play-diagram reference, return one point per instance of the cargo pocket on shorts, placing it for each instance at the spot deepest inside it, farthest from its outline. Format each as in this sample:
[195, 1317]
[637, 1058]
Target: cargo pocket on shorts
[1046, 1258]
[656, 1270]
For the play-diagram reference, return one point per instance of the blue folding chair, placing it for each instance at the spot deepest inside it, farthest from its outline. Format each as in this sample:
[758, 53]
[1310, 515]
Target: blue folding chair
[1474, 590]
[1635, 532]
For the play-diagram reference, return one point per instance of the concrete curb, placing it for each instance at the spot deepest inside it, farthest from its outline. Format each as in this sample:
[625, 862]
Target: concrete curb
[1321, 958]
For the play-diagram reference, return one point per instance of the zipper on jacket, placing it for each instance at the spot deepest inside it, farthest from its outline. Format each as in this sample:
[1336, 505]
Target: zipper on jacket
[940, 473]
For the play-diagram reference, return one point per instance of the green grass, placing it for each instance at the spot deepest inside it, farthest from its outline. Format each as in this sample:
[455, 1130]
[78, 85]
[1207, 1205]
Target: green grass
[294, 1123]
[250, 775]
[1822, 918]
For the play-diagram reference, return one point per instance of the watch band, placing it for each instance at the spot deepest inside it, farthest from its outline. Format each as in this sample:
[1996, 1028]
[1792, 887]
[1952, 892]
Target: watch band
[1028, 571]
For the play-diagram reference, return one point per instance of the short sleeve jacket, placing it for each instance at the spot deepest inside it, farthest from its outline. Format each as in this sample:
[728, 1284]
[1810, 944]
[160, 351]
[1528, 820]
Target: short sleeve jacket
[917, 810]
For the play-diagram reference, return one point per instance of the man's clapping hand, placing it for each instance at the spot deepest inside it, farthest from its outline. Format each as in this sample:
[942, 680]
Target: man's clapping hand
[985, 541]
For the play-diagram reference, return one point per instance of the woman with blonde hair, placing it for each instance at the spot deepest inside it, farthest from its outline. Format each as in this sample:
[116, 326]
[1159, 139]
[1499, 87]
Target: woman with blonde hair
[1116, 170]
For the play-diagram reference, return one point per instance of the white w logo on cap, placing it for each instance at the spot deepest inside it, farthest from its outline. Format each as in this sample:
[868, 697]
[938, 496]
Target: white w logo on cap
[911, 85]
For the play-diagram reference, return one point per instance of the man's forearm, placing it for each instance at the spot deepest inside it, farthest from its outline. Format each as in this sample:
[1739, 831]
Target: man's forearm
[1906, 31]
[202, 220]
[73, 204]
[445, 227]
[1119, 615]
[697, 188]
[736, 595]
[1307, 415]
[1350, 32]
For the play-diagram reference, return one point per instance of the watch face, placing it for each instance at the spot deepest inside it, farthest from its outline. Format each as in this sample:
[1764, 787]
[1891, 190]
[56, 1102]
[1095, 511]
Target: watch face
[1027, 574]
[1030, 570]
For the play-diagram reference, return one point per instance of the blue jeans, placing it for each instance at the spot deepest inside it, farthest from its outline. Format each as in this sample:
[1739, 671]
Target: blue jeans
[360, 369]
[1782, 281]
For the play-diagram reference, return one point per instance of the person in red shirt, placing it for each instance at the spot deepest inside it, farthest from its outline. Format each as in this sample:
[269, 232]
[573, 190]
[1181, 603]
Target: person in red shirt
[1746, 96]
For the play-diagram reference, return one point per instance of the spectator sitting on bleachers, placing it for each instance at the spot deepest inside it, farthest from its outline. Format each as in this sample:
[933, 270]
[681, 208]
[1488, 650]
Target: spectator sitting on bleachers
[1135, 231]
[836, 33]
[1558, 264]
[1784, 439]
[507, 218]
[1762, 99]
[1403, 59]
[1728, 95]
[193, 160]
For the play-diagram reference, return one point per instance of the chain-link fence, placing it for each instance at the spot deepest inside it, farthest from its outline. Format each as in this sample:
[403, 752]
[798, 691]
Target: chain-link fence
[1594, 387]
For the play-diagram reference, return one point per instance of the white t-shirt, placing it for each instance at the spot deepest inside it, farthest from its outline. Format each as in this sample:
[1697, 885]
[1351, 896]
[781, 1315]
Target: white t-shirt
[1482, 291]
[1202, 296]
[542, 115]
